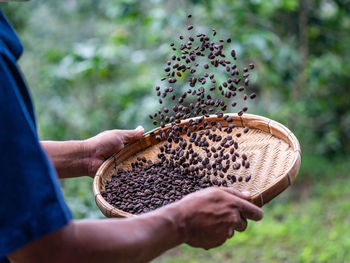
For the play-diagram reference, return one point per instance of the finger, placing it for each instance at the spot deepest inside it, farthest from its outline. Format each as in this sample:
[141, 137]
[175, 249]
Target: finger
[131, 135]
[238, 222]
[245, 223]
[231, 232]
[247, 209]
[245, 194]
[215, 243]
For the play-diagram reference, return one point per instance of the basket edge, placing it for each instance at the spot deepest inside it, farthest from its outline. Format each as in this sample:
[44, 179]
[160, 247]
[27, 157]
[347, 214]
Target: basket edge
[261, 198]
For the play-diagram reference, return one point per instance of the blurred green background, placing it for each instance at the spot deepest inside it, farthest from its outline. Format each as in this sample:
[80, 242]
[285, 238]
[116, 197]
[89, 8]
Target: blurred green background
[92, 65]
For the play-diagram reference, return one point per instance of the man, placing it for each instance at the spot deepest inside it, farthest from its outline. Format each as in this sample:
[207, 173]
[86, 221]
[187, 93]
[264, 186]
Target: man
[36, 224]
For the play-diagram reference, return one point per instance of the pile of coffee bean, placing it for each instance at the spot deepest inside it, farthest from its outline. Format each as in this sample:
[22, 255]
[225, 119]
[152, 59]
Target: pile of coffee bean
[181, 168]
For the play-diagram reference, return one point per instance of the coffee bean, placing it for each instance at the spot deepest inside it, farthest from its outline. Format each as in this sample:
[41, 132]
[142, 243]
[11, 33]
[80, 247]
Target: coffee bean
[233, 158]
[233, 179]
[180, 169]
[233, 53]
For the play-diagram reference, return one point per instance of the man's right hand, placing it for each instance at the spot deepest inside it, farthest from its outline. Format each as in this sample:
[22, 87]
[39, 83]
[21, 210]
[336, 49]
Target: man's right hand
[211, 216]
[202, 219]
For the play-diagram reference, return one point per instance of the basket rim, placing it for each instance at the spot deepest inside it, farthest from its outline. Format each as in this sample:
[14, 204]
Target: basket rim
[264, 196]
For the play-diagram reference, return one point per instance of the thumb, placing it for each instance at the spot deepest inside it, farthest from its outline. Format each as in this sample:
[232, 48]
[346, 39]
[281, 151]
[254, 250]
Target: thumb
[132, 135]
[244, 195]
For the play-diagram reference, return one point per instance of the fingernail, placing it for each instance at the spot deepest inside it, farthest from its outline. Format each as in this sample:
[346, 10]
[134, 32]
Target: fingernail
[246, 193]
[139, 128]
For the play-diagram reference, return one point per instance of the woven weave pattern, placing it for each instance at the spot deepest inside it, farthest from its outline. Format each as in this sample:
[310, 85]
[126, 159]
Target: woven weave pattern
[272, 150]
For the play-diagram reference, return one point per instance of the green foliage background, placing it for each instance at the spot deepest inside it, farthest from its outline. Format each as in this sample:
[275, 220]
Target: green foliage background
[92, 66]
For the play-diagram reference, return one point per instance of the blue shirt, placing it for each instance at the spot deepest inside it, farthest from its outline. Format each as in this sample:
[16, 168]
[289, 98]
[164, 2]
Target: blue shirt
[31, 201]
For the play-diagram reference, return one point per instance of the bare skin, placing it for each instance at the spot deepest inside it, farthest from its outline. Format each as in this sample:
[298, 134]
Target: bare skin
[79, 158]
[204, 219]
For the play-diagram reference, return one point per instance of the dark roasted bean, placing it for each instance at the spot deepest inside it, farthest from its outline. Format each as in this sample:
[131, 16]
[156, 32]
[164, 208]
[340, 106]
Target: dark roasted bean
[185, 165]
[252, 96]
[233, 53]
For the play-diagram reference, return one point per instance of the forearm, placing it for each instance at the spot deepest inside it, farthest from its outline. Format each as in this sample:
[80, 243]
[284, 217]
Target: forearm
[137, 239]
[69, 157]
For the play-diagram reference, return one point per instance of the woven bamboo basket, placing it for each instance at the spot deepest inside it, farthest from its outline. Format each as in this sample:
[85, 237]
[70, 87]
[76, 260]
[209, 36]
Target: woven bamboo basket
[272, 149]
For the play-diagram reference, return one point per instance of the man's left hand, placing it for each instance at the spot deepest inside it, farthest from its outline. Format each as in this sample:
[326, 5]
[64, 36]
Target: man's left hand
[105, 144]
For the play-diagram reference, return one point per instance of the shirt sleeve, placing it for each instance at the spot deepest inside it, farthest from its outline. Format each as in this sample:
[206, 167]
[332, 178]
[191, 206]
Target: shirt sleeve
[31, 201]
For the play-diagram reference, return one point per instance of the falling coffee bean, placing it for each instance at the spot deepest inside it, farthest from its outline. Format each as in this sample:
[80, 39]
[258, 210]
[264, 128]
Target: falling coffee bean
[201, 153]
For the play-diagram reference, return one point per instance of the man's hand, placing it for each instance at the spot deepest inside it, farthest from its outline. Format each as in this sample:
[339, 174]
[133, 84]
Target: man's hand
[210, 216]
[202, 219]
[105, 144]
[79, 158]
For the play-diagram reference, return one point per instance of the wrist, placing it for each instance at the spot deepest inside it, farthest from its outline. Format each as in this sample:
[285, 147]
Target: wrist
[177, 218]
[79, 157]
[87, 157]
[70, 158]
